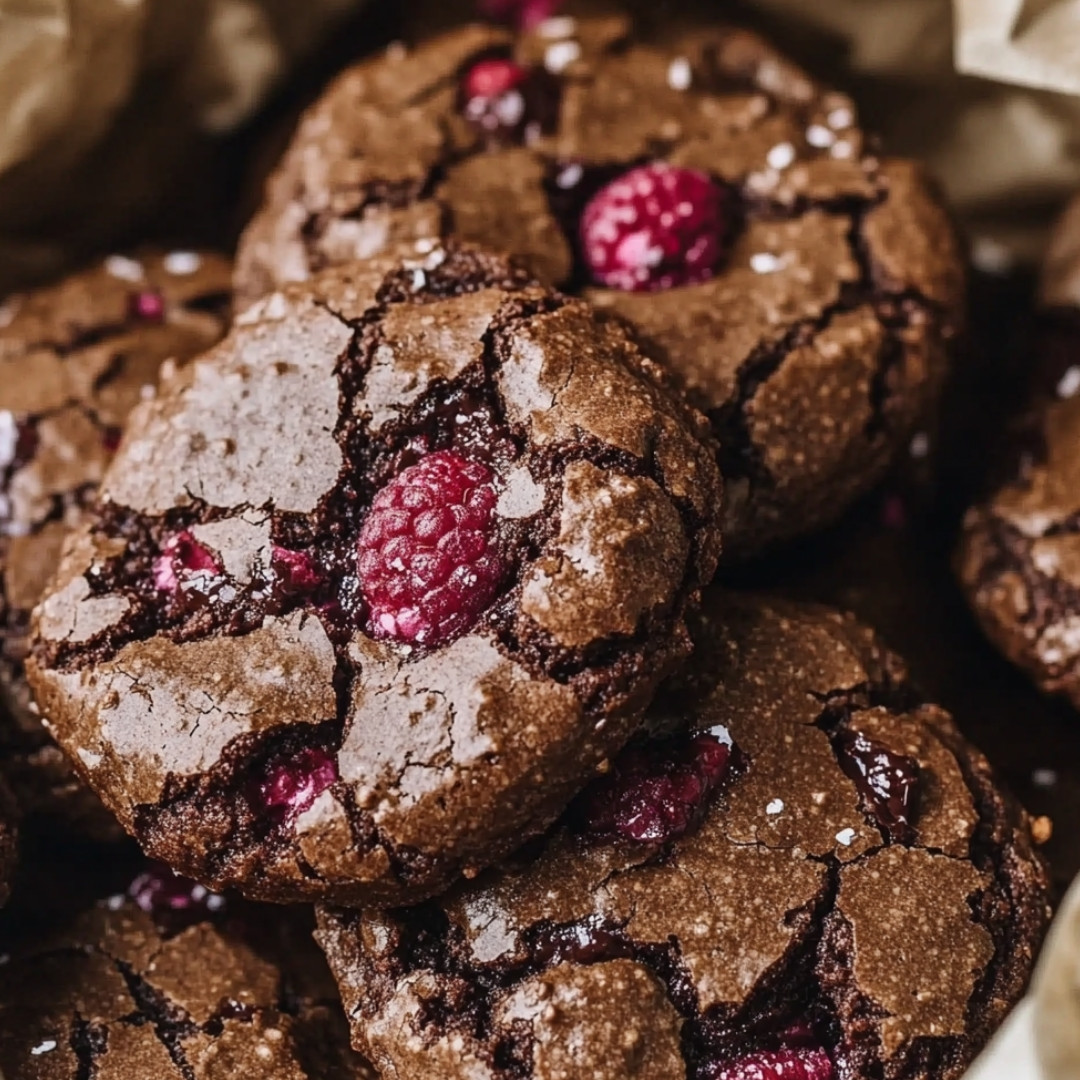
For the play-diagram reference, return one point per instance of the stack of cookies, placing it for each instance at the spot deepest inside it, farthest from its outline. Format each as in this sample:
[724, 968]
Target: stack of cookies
[378, 576]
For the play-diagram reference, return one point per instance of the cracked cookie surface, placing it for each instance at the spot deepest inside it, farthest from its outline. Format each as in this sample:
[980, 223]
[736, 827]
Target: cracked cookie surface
[168, 982]
[808, 874]
[266, 650]
[1018, 559]
[814, 330]
[75, 358]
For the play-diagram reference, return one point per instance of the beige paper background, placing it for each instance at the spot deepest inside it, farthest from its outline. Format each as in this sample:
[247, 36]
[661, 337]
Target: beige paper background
[104, 103]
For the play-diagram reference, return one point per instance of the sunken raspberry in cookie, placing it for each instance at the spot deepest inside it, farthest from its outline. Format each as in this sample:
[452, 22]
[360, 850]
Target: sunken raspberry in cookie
[375, 586]
[804, 291]
[806, 874]
[168, 982]
[74, 359]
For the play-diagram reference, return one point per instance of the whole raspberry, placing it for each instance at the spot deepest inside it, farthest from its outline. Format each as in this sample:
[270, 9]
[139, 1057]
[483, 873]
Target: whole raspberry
[291, 784]
[656, 793]
[655, 227]
[790, 1064]
[429, 564]
[182, 558]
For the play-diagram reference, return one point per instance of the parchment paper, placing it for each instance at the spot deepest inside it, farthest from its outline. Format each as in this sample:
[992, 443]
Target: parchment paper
[985, 90]
[105, 103]
[1057, 995]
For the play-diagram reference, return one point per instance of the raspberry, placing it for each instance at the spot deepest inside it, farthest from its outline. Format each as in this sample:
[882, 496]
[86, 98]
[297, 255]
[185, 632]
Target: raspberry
[173, 900]
[292, 784]
[429, 563]
[507, 102]
[656, 793]
[147, 305]
[182, 557]
[525, 14]
[790, 1064]
[295, 571]
[654, 228]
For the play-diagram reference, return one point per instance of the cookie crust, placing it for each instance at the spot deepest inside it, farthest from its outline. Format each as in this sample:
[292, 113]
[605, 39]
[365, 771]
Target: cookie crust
[823, 338]
[75, 358]
[266, 455]
[791, 920]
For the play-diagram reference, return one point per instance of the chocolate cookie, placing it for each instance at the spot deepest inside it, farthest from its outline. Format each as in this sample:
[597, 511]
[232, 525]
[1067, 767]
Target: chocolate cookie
[805, 291]
[376, 585]
[169, 982]
[806, 875]
[74, 359]
[1019, 555]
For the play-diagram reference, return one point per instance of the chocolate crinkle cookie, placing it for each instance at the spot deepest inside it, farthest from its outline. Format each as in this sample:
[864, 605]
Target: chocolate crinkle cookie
[74, 359]
[805, 292]
[170, 982]
[376, 585]
[1019, 555]
[805, 874]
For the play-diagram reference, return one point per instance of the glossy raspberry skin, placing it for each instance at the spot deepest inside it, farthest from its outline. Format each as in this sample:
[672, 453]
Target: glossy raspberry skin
[293, 783]
[428, 557]
[790, 1064]
[655, 227]
[182, 557]
[657, 793]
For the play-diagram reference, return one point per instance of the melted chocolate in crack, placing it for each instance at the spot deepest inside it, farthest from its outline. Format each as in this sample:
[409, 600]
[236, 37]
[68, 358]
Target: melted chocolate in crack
[888, 782]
